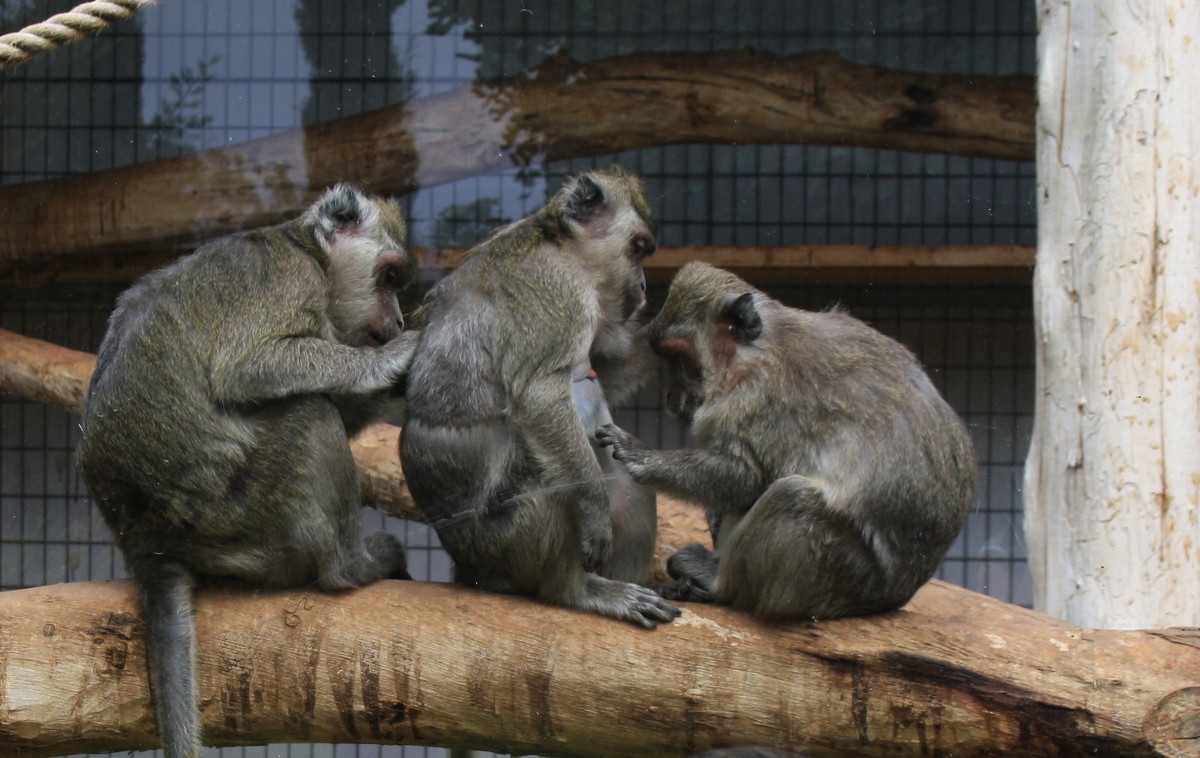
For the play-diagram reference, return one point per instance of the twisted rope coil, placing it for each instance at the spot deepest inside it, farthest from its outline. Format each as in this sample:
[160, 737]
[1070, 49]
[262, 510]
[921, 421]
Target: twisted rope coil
[64, 28]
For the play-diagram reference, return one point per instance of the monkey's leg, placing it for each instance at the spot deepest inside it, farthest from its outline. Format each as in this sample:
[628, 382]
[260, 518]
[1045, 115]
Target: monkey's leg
[303, 479]
[562, 579]
[792, 556]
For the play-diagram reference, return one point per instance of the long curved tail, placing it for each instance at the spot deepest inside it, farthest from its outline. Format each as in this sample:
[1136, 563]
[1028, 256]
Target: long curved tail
[166, 590]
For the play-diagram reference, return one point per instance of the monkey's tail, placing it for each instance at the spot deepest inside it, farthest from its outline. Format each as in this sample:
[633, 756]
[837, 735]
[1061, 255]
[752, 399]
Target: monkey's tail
[166, 590]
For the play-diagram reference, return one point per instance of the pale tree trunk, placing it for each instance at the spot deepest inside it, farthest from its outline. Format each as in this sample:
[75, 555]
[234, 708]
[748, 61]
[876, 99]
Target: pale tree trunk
[1113, 475]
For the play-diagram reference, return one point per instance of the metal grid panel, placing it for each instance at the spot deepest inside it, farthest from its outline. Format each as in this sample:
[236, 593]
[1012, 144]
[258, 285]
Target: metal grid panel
[188, 76]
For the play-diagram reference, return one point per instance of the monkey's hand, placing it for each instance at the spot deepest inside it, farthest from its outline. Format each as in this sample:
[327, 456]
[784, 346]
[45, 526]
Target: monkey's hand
[625, 448]
[398, 355]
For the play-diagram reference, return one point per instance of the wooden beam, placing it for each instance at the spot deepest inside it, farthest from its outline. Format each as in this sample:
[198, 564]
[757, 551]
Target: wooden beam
[763, 264]
[560, 109]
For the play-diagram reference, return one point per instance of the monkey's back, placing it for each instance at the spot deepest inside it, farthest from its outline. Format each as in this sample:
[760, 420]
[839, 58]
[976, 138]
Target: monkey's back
[853, 410]
[505, 324]
[501, 317]
[909, 454]
[155, 437]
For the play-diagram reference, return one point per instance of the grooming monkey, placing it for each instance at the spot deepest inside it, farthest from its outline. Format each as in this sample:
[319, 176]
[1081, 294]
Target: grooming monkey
[835, 475]
[524, 347]
[215, 433]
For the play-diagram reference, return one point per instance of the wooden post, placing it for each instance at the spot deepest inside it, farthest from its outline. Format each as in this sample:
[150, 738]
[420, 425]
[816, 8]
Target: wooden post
[1113, 475]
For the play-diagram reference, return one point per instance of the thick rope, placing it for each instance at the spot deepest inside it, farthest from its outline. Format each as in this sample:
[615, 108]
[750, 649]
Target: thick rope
[62, 28]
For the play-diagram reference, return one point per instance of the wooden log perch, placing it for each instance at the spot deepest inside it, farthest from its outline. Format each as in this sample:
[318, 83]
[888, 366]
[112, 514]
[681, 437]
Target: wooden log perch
[560, 109]
[954, 673]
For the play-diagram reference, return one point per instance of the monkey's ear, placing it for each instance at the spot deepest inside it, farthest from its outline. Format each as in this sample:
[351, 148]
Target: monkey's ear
[585, 198]
[340, 208]
[743, 319]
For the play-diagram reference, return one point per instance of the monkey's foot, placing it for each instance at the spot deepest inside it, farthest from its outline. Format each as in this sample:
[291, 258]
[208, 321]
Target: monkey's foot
[626, 602]
[388, 552]
[685, 590]
[381, 556]
[696, 565]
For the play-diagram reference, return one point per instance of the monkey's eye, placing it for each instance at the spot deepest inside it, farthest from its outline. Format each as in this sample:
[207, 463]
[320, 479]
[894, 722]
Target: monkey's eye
[391, 277]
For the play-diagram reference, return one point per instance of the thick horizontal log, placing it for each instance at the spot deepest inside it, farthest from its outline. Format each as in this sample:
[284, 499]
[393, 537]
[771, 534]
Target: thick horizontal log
[561, 109]
[954, 673]
[807, 263]
[44, 372]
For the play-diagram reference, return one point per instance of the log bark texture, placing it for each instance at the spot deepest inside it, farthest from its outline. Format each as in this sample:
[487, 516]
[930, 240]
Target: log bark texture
[1112, 481]
[954, 673]
[561, 109]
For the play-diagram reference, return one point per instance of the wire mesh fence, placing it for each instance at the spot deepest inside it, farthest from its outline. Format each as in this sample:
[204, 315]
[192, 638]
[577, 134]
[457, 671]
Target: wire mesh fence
[184, 77]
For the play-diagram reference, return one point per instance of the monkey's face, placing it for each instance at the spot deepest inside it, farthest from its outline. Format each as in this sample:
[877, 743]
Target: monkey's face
[369, 268]
[709, 316]
[607, 211]
[685, 378]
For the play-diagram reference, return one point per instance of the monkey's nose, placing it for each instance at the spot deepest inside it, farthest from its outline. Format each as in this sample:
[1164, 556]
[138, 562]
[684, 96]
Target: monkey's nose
[644, 245]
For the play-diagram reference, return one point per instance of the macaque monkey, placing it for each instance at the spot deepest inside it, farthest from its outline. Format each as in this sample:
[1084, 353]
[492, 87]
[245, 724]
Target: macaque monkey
[835, 475]
[215, 433]
[523, 348]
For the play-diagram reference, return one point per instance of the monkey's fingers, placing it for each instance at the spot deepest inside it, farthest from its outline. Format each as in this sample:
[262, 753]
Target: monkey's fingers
[651, 610]
[625, 602]
[608, 435]
[625, 446]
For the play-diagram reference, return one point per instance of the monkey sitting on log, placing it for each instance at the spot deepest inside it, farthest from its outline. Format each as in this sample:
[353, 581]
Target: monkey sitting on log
[522, 349]
[215, 432]
[835, 475]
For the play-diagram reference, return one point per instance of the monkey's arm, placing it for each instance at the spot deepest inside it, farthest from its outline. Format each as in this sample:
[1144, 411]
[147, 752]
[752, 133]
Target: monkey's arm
[309, 365]
[359, 410]
[722, 481]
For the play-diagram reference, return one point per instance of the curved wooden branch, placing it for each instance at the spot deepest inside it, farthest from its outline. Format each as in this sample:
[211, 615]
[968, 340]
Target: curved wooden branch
[59, 376]
[561, 109]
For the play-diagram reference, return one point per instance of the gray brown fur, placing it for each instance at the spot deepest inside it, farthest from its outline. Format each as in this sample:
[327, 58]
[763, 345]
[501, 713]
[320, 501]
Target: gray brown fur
[835, 475]
[215, 434]
[497, 446]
